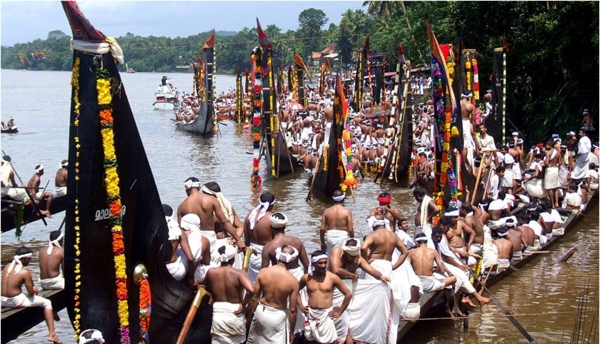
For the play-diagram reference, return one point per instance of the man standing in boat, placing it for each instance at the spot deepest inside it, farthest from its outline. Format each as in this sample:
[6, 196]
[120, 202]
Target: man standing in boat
[277, 290]
[182, 262]
[60, 181]
[379, 247]
[227, 285]
[426, 211]
[391, 213]
[584, 147]
[280, 239]
[52, 262]
[551, 180]
[14, 276]
[336, 223]
[34, 184]
[257, 231]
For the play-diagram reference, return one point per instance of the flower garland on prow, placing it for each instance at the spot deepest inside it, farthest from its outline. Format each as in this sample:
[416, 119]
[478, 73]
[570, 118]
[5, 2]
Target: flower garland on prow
[274, 119]
[238, 101]
[475, 80]
[468, 76]
[255, 180]
[296, 86]
[76, 227]
[145, 309]
[350, 181]
[113, 198]
[440, 107]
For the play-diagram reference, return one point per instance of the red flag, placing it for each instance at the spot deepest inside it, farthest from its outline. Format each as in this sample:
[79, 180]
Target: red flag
[400, 50]
[210, 42]
[328, 65]
[263, 40]
[339, 89]
[200, 62]
[300, 63]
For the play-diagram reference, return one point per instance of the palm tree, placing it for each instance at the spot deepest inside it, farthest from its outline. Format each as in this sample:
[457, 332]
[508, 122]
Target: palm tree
[382, 8]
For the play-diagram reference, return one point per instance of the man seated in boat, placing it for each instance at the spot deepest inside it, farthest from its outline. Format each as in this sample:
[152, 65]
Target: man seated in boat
[11, 123]
[182, 262]
[280, 239]
[467, 213]
[257, 231]
[4, 126]
[34, 184]
[533, 183]
[379, 245]
[572, 199]
[516, 238]
[227, 286]
[60, 180]
[14, 276]
[277, 289]
[91, 336]
[454, 234]
[319, 326]
[593, 177]
[10, 187]
[427, 264]
[336, 223]
[505, 248]
[499, 212]
[52, 262]
[551, 220]
[526, 231]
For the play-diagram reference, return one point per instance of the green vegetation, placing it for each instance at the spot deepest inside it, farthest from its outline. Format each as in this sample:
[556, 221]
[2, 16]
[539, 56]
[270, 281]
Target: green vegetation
[552, 58]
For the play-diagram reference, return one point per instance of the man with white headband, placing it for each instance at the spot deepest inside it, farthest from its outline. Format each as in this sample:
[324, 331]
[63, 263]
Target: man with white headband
[516, 238]
[422, 260]
[336, 223]
[182, 263]
[207, 208]
[269, 253]
[319, 326]
[277, 290]
[257, 231]
[214, 189]
[51, 259]
[227, 286]
[91, 336]
[200, 249]
[34, 185]
[60, 180]
[505, 248]
[457, 228]
[499, 212]
[379, 246]
[14, 276]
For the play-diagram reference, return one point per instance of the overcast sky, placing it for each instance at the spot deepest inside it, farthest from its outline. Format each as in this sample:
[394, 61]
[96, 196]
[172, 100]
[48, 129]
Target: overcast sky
[25, 21]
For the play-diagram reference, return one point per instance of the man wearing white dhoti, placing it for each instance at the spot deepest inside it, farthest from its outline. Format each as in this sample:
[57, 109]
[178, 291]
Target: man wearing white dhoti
[584, 147]
[182, 262]
[51, 259]
[257, 231]
[199, 247]
[336, 223]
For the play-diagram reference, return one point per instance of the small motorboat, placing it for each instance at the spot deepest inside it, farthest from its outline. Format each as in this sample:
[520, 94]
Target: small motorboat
[12, 130]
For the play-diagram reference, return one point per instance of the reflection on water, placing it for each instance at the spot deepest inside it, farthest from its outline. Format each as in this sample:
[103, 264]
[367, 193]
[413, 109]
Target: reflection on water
[176, 155]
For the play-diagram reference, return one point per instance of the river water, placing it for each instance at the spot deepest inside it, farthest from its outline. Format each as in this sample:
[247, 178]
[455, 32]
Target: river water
[545, 294]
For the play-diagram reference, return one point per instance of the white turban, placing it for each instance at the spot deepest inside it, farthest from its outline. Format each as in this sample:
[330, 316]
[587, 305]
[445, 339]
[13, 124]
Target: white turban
[286, 257]
[508, 159]
[276, 222]
[96, 336]
[190, 222]
[55, 242]
[353, 250]
[230, 252]
[174, 230]
[224, 202]
[453, 213]
[190, 184]
[16, 263]
[339, 198]
[314, 260]
[65, 164]
[421, 239]
[39, 168]
[258, 213]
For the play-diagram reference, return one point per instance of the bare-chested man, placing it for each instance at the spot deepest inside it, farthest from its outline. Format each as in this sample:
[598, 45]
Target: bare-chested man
[422, 259]
[426, 211]
[257, 231]
[391, 213]
[551, 180]
[526, 231]
[34, 185]
[227, 285]
[207, 208]
[379, 246]
[471, 144]
[214, 189]
[336, 223]
[269, 253]
[505, 248]
[51, 263]
[182, 262]
[14, 276]
[517, 239]
[319, 312]
[60, 181]
[277, 290]
[458, 244]
[467, 212]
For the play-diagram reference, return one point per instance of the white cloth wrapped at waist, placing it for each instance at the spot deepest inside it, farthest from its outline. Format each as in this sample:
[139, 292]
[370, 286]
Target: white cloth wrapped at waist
[342, 324]
[551, 178]
[517, 255]
[227, 328]
[60, 190]
[321, 327]
[53, 283]
[269, 326]
[255, 261]
[335, 237]
[178, 268]
[23, 301]
[432, 283]
[462, 279]
[495, 224]
[503, 263]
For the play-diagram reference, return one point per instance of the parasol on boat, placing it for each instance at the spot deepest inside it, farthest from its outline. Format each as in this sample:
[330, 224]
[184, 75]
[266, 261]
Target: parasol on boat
[295, 106]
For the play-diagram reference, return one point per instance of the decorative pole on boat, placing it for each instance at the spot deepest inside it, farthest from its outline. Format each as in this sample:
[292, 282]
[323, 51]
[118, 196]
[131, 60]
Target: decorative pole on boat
[269, 106]
[342, 120]
[200, 85]
[357, 101]
[195, 77]
[280, 82]
[256, 57]
[322, 80]
[291, 85]
[299, 66]
[444, 105]
[504, 80]
[239, 97]
[248, 99]
[209, 50]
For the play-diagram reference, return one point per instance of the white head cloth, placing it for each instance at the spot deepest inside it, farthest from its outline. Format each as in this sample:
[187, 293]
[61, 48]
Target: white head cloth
[224, 202]
[39, 169]
[373, 222]
[286, 257]
[174, 230]
[452, 213]
[421, 239]
[55, 242]
[66, 164]
[277, 222]
[313, 260]
[229, 254]
[109, 44]
[258, 213]
[190, 184]
[190, 222]
[339, 198]
[502, 233]
[352, 250]
[16, 263]
[508, 159]
[96, 335]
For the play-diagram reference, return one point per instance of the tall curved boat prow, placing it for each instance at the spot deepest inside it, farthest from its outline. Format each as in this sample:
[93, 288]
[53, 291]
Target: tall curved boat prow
[114, 217]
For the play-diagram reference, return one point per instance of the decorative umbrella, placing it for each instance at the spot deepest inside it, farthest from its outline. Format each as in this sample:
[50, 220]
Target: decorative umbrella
[295, 106]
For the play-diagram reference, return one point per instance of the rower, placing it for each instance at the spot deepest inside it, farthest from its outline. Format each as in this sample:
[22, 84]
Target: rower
[466, 211]
[213, 189]
[336, 223]
[52, 262]
[257, 231]
[34, 184]
[378, 247]
[182, 262]
[60, 181]
[200, 248]
[402, 233]
[422, 260]
[517, 239]
[269, 253]
[505, 248]
[391, 213]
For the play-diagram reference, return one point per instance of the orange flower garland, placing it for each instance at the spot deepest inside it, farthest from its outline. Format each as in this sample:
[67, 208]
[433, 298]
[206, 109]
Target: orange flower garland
[255, 180]
[145, 309]
[113, 198]
[77, 229]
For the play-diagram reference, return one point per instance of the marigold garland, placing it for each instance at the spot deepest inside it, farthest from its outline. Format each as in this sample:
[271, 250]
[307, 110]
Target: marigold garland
[274, 119]
[76, 227]
[255, 180]
[145, 309]
[475, 80]
[113, 200]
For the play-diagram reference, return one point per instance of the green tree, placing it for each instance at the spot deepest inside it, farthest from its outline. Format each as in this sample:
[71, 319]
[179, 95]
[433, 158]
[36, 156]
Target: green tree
[311, 21]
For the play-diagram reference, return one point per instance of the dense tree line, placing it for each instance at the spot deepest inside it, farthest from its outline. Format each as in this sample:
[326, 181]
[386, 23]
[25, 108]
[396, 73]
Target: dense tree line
[552, 61]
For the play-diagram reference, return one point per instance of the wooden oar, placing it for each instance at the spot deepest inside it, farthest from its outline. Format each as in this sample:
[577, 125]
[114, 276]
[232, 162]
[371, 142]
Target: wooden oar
[247, 255]
[568, 254]
[481, 168]
[312, 183]
[191, 314]
[510, 317]
[480, 292]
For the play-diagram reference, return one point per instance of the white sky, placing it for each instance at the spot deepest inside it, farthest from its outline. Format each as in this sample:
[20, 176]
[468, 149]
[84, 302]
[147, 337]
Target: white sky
[25, 21]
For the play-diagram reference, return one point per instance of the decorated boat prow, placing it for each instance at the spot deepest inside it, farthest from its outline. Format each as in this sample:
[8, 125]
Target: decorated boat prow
[115, 224]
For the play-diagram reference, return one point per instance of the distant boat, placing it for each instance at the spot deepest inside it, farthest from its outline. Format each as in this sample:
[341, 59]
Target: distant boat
[167, 95]
[12, 130]
[129, 69]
